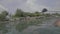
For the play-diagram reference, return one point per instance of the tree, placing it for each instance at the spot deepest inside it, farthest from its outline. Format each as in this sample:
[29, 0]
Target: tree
[19, 13]
[44, 10]
[3, 15]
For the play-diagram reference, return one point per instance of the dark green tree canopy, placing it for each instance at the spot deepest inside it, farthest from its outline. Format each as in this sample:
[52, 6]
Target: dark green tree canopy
[4, 12]
[44, 10]
[19, 13]
[3, 15]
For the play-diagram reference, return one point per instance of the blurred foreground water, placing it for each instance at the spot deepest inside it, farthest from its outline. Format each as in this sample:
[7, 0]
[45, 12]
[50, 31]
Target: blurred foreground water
[46, 27]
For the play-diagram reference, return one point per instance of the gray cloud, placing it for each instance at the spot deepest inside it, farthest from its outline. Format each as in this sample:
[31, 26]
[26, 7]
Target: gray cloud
[30, 5]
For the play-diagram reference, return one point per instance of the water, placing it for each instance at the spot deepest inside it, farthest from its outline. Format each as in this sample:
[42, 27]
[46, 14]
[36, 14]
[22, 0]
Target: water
[46, 27]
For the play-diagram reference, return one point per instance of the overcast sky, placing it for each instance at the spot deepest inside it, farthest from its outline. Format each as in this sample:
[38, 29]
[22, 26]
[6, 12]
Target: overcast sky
[30, 5]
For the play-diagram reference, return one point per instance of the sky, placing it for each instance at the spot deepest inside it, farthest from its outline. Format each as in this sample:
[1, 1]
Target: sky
[30, 5]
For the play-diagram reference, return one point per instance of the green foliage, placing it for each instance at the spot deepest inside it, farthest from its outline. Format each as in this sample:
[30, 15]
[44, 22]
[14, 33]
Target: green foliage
[3, 15]
[34, 14]
[37, 13]
[3, 28]
[31, 15]
[35, 22]
[56, 14]
[47, 15]
[20, 13]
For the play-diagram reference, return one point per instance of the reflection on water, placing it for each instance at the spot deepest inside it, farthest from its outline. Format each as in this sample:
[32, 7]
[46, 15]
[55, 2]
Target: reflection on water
[46, 27]
[50, 30]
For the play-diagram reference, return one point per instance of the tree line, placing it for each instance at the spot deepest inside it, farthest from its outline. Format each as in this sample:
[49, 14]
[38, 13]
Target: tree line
[21, 13]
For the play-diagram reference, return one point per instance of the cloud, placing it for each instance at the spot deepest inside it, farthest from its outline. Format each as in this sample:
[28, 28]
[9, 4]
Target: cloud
[7, 1]
[2, 7]
[32, 6]
[57, 6]
[31, 2]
